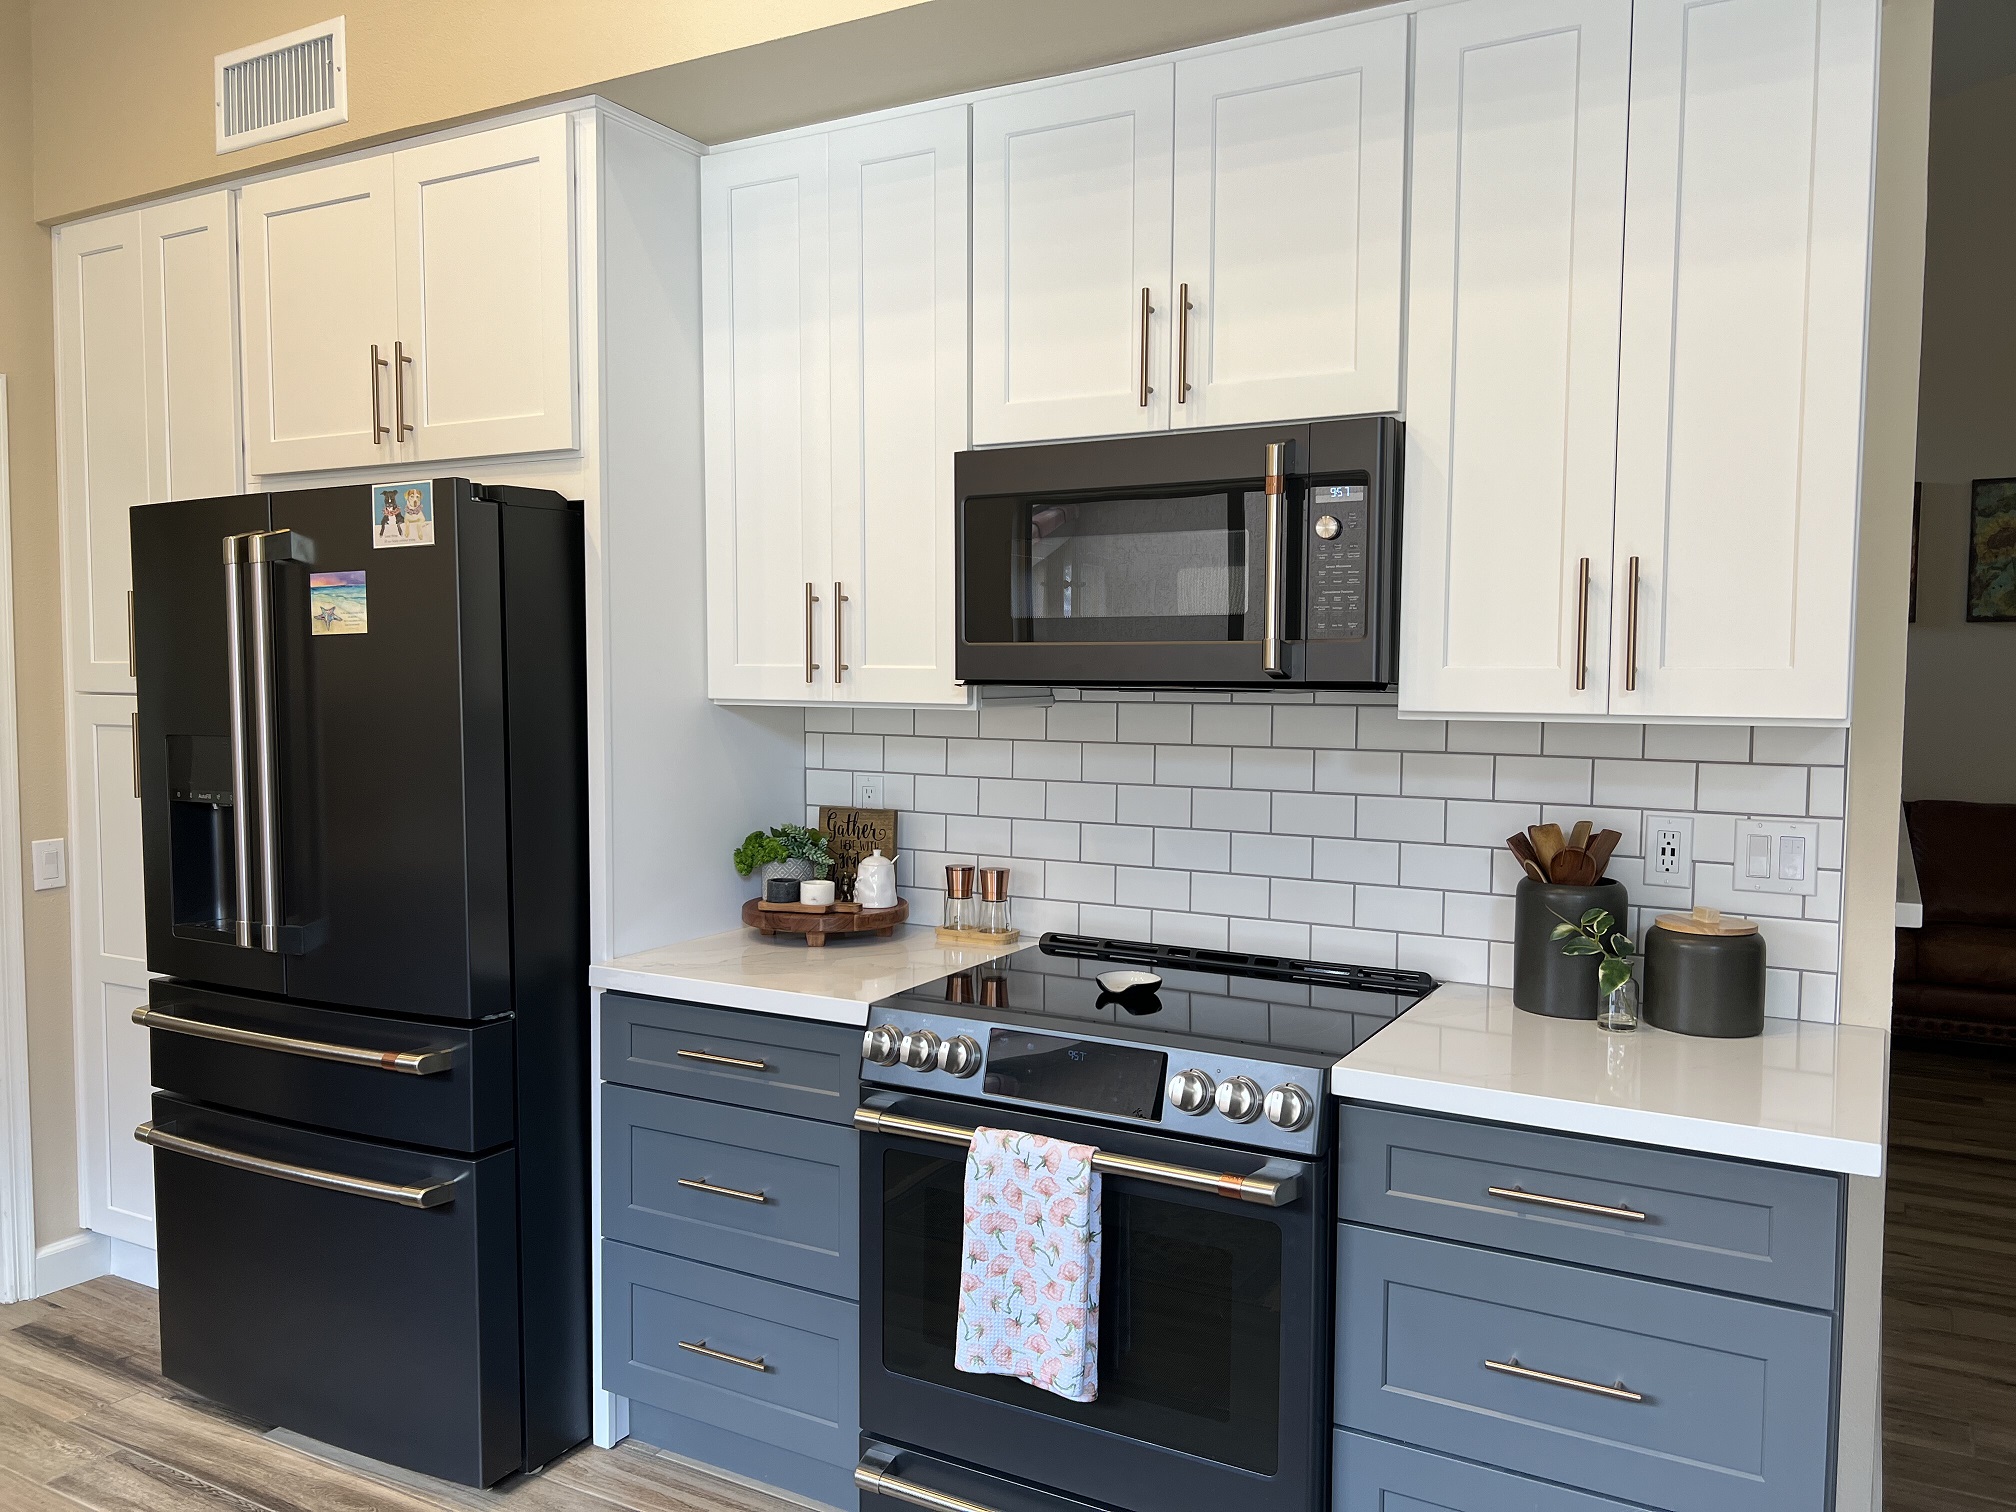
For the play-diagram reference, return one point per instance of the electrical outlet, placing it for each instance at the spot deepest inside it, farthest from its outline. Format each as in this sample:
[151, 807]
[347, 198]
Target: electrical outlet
[49, 868]
[868, 790]
[1777, 856]
[1669, 850]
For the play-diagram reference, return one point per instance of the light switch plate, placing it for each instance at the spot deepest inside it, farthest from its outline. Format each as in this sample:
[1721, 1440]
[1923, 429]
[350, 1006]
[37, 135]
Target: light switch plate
[1777, 856]
[1669, 850]
[49, 867]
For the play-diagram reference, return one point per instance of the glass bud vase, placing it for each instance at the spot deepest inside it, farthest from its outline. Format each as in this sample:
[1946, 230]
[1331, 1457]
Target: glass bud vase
[1619, 1014]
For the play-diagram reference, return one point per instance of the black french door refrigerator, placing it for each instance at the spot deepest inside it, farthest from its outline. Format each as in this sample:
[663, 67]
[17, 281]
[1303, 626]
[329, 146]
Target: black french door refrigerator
[361, 754]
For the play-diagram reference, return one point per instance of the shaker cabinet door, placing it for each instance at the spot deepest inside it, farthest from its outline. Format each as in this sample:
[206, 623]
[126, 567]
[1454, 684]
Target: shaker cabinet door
[1745, 285]
[318, 292]
[1290, 202]
[1071, 295]
[898, 270]
[486, 296]
[189, 289]
[766, 341]
[1513, 285]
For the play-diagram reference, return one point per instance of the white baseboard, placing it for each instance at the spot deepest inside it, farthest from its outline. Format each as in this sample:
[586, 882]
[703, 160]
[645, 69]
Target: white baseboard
[86, 1256]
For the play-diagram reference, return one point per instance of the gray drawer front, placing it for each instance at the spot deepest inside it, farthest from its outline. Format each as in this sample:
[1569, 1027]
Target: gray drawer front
[1762, 1231]
[1371, 1475]
[807, 1228]
[1736, 1411]
[806, 1068]
[805, 1399]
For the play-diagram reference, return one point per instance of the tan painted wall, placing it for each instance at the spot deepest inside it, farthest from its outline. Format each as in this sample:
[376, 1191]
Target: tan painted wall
[27, 356]
[1960, 699]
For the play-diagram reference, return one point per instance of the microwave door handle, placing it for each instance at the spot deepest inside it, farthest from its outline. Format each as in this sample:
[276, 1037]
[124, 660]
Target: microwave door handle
[1278, 462]
[241, 760]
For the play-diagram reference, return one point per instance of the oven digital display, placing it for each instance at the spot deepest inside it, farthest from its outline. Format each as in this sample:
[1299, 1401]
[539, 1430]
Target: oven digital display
[1122, 1080]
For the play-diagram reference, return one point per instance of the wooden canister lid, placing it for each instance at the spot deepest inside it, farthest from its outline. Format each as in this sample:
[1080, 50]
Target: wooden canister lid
[1706, 921]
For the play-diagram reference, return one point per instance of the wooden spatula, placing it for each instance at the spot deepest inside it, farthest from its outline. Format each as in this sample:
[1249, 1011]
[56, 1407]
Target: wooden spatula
[1578, 837]
[1547, 844]
[1522, 851]
[1600, 849]
[1573, 867]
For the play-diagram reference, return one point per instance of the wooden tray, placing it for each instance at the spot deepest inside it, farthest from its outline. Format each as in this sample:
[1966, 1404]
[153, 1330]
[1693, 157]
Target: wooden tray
[817, 926]
[957, 938]
[807, 908]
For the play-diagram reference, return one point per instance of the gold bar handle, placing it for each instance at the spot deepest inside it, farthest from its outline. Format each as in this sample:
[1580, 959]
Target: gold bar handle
[811, 666]
[133, 720]
[1567, 1204]
[129, 633]
[432, 1195]
[1147, 309]
[1618, 1393]
[692, 1183]
[723, 1060]
[839, 666]
[1582, 629]
[1183, 309]
[406, 1062]
[1278, 463]
[379, 430]
[1631, 634]
[882, 1483]
[726, 1359]
[400, 362]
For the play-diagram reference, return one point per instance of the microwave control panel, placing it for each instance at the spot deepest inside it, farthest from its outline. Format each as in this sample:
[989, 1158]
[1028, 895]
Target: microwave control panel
[1337, 544]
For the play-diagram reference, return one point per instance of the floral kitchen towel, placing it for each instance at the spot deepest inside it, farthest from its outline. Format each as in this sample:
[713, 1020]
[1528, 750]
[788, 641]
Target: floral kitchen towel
[1029, 1288]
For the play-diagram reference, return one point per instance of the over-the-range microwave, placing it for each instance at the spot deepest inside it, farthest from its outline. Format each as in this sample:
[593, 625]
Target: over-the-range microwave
[1261, 557]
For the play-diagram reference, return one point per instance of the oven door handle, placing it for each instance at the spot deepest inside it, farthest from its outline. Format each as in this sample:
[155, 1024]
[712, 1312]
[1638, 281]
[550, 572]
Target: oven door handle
[1275, 1184]
[879, 1482]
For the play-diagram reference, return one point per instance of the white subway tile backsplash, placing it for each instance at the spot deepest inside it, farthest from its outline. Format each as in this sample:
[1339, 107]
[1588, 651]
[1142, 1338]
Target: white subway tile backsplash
[1325, 825]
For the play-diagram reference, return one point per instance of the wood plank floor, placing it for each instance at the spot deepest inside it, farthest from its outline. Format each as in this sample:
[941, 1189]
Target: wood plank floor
[87, 1422]
[1949, 1283]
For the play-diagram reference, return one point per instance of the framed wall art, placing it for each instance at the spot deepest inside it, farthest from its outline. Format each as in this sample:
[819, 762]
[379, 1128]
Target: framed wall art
[1991, 552]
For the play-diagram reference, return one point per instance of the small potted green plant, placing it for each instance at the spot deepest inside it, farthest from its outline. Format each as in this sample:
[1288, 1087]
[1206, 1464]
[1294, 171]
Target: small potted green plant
[788, 852]
[1596, 934]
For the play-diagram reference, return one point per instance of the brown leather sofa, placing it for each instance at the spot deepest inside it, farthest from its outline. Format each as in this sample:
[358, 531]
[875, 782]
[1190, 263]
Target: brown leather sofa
[1956, 976]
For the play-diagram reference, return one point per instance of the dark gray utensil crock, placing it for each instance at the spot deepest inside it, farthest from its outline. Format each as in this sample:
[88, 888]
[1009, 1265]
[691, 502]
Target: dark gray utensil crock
[1545, 981]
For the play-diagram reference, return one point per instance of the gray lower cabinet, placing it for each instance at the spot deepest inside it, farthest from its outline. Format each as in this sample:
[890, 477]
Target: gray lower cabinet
[1371, 1475]
[1685, 1400]
[753, 1060]
[758, 1378]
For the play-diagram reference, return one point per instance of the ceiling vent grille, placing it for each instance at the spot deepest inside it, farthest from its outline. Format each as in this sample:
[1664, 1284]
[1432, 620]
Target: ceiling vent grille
[282, 87]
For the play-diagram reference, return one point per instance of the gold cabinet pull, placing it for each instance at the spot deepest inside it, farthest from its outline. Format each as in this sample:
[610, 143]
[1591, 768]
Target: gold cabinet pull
[1183, 309]
[400, 362]
[693, 1183]
[1631, 633]
[723, 1060]
[839, 666]
[1618, 1393]
[1147, 309]
[726, 1359]
[379, 430]
[1582, 629]
[133, 720]
[1566, 1204]
[811, 666]
[129, 633]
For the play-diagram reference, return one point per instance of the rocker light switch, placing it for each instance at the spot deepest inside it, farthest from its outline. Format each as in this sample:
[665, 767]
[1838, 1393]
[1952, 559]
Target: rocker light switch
[48, 865]
[1776, 856]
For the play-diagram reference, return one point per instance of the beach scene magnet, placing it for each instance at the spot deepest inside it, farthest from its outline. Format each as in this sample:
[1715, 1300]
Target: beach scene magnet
[402, 514]
[336, 604]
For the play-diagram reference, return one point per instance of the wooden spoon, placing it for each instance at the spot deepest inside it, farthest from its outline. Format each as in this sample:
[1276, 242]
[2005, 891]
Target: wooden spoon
[1522, 850]
[1600, 849]
[1574, 867]
[1578, 837]
[1547, 844]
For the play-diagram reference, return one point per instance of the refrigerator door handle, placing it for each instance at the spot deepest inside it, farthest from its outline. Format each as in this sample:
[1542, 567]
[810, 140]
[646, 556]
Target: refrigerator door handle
[432, 1195]
[241, 763]
[263, 550]
[429, 1062]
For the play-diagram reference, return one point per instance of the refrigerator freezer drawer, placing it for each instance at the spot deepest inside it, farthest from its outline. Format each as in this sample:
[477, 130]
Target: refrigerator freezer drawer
[357, 1316]
[449, 1087]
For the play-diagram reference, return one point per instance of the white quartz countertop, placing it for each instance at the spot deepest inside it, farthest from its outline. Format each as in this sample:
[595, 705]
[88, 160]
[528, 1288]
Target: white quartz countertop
[834, 982]
[1801, 1094]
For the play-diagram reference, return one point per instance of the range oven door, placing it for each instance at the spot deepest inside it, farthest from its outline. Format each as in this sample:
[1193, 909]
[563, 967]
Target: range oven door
[1214, 1317]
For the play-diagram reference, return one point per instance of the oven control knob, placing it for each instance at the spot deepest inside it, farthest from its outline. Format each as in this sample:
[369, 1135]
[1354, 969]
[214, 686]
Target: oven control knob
[1239, 1099]
[960, 1056]
[919, 1050]
[880, 1044]
[1190, 1091]
[1289, 1107]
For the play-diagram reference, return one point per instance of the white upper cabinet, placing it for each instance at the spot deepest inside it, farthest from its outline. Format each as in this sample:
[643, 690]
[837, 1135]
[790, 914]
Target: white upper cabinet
[1518, 223]
[1071, 228]
[189, 281]
[1290, 192]
[766, 342]
[897, 231]
[319, 294]
[1745, 282]
[486, 300]
[415, 306]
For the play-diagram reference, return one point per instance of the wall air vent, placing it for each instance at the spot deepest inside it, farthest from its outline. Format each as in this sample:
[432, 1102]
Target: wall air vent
[282, 87]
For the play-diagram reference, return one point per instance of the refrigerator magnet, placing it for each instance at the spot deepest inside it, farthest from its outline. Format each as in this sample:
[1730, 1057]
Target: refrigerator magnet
[336, 604]
[402, 514]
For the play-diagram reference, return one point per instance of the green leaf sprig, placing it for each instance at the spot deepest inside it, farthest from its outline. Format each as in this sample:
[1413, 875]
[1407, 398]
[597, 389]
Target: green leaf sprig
[1597, 934]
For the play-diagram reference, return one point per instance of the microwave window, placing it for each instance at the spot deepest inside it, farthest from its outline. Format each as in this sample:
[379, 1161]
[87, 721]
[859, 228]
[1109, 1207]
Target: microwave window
[1158, 567]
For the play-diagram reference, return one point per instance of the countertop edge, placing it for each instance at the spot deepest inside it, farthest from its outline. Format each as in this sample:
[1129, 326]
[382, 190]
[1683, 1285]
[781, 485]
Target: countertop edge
[781, 1001]
[1634, 1125]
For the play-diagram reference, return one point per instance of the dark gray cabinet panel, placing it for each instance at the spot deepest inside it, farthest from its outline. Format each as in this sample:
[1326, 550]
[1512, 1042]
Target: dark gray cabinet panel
[798, 1384]
[769, 1195]
[786, 1065]
[1371, 1475]
[1736, 1394]
[1759, 1230]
